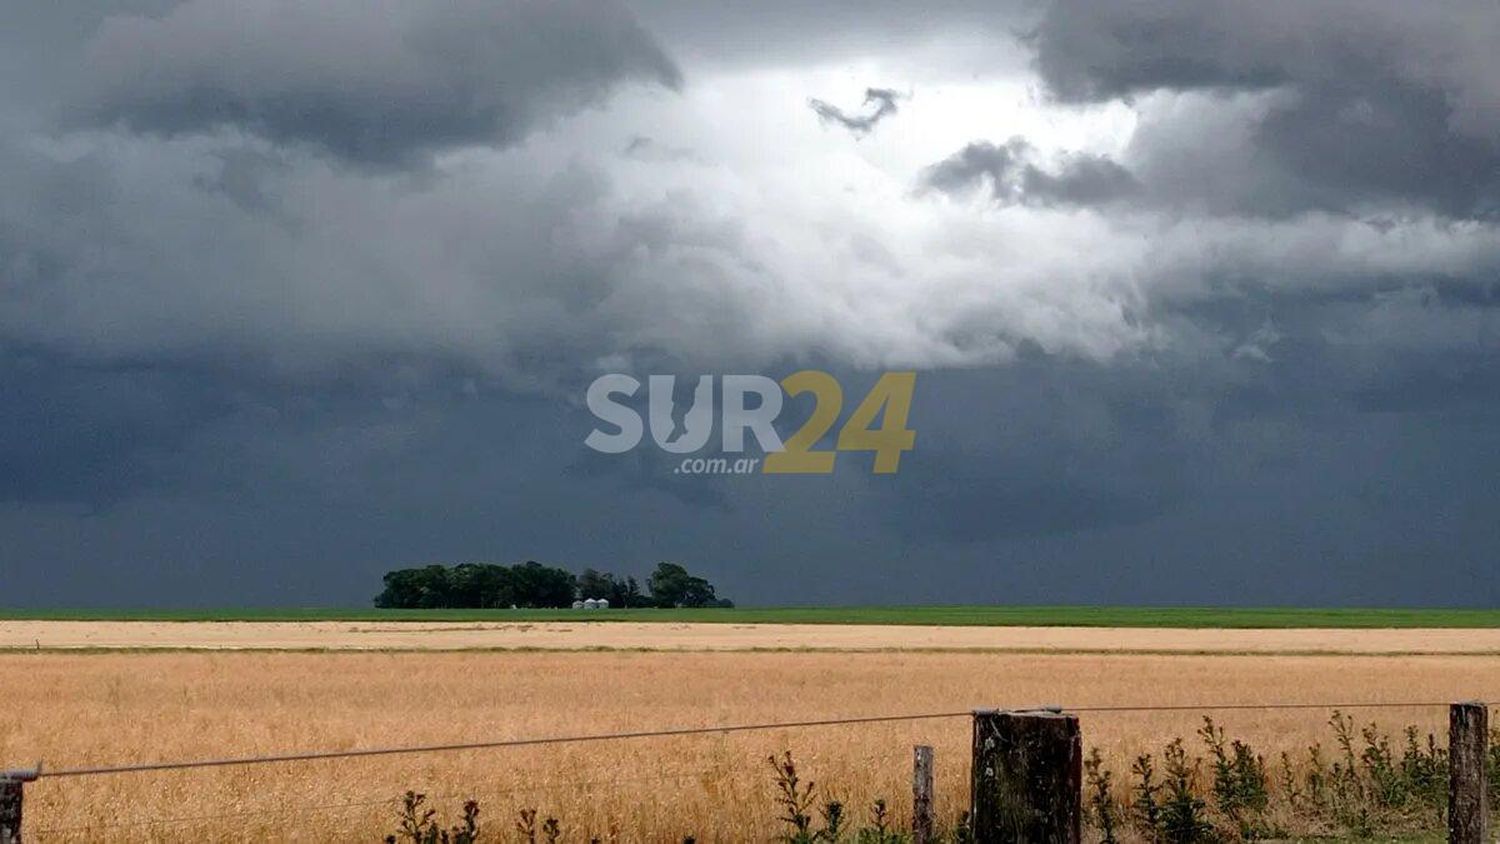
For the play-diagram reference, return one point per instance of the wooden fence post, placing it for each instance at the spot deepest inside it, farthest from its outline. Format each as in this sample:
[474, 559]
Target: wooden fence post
[1468, 739]
[1027, 782]
[10, 811]
[921, 795]
[12, 785]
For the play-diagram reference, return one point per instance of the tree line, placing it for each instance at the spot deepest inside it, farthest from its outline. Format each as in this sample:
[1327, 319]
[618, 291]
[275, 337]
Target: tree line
[532, 585]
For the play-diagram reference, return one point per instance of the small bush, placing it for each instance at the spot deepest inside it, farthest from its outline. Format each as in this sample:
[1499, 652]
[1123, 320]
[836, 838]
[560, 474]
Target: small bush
[1099, 802]
[1145, 805]
[1369, 784]
[418, 824]
[879, 831]
[1240, 787]
[1182, 812]
[795, 799]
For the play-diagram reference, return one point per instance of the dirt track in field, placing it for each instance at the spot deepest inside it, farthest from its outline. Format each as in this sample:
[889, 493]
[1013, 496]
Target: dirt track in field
[577, 636]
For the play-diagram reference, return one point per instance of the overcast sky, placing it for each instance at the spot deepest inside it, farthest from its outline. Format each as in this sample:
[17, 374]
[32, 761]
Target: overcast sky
[1204, 296]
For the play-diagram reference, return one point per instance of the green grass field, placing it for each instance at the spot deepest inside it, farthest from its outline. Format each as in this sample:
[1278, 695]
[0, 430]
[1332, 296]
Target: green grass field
[1201, 617]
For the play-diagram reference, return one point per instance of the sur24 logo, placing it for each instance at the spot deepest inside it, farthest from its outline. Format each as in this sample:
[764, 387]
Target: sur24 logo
[888, 401]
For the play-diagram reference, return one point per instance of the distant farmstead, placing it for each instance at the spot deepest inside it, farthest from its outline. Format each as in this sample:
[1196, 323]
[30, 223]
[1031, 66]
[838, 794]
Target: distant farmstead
[531, 585]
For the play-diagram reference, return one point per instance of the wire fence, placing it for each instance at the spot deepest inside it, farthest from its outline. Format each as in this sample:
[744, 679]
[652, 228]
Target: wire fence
[309, 756]
[369, 801]
[83, 771]
[311, 809]
[483, 745]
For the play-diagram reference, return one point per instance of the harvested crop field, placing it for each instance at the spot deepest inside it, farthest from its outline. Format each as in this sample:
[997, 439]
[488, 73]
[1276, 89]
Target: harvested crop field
[583, 635]
[78, 709]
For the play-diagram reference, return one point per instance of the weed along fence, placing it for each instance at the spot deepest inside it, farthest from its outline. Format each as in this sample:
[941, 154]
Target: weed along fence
[1028, 778]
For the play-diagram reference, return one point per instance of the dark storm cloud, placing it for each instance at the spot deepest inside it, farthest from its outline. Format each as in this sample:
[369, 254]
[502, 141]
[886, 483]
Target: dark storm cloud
[381, 85]
[1057, 451]
[1363, 104]
[1044, 447]
[1014, 178]
[883, 100]
[215, 252]
[977, 499]
[1047, 481]
[80, 433]
[649, 469]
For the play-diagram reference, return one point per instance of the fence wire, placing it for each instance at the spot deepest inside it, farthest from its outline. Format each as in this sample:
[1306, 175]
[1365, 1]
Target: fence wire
[310, 756]
[281, 811]
[537, 788]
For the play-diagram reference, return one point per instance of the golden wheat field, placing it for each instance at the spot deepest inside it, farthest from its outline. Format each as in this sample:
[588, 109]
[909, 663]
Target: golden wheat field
[622, 635]
[95, 708]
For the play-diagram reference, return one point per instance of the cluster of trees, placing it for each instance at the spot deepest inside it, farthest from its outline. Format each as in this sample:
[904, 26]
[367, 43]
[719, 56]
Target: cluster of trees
[535, 586]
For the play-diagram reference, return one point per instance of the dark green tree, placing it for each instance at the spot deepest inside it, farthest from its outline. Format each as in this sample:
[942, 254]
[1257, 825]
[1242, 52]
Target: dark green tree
[481, 586]
[630, 595]
[672, 586]
[429, 587]
[597, 584]
[539, 587]
[403, 590]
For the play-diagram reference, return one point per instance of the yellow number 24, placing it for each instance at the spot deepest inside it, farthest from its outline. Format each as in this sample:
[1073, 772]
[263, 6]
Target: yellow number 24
[892, 393]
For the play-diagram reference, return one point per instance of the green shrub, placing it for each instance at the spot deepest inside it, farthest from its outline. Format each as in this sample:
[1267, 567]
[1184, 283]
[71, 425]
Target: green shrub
[1099, 805]
[1145, 805]
[1182, 811]
[1240, 786]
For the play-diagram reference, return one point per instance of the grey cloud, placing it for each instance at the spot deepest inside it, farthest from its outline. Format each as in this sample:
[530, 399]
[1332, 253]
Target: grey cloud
[195, 251]
[88, 434]
[1081, 448]
[241, 177]
[973, 164]
[884, 102]
[780, 31]
[646, 148]
[1013, 177]
[382, 84]
[1363, 104]
[1094, 51]
[650, 469]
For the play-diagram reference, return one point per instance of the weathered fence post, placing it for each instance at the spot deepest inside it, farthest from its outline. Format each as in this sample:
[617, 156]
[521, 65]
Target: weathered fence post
[12, 784]
[1468, 738]
[921, 795]
[10, 811]
[1027, 782]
